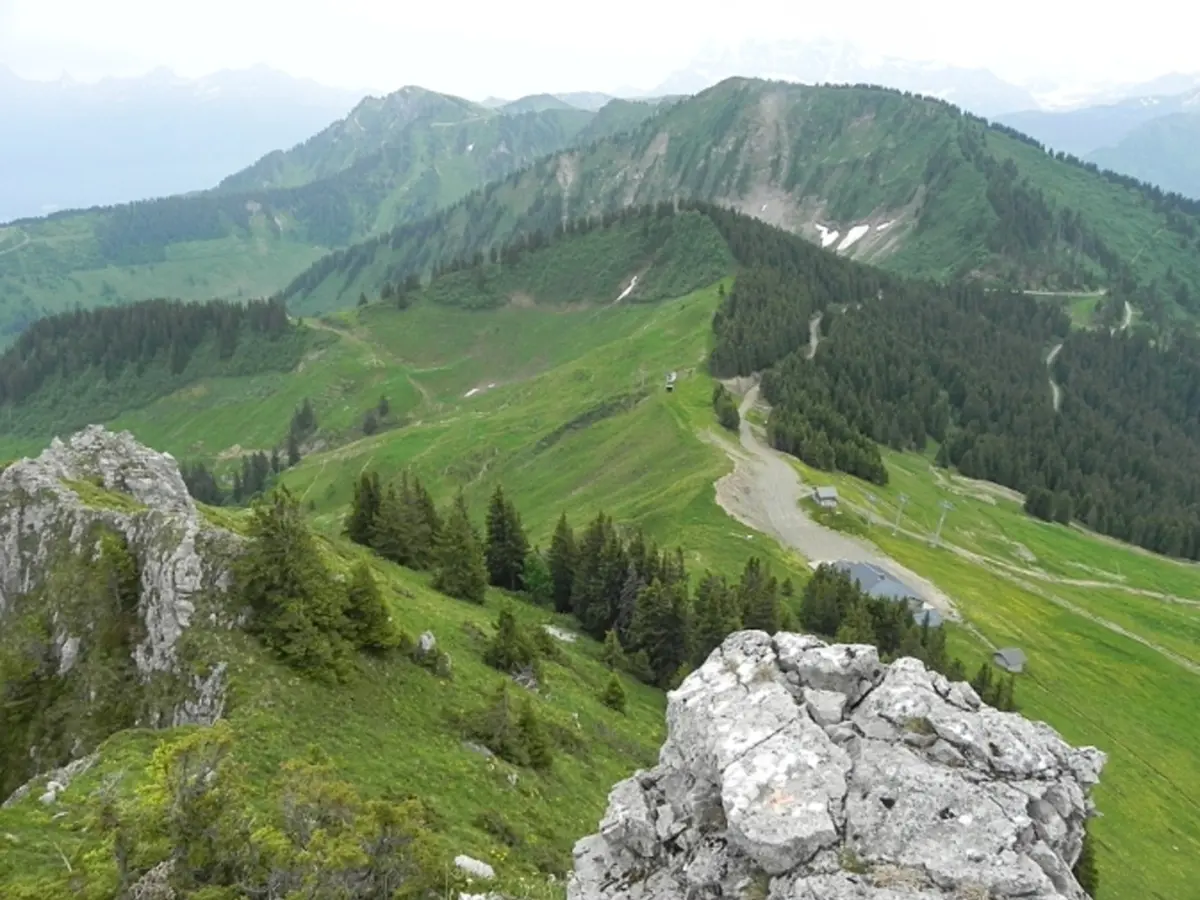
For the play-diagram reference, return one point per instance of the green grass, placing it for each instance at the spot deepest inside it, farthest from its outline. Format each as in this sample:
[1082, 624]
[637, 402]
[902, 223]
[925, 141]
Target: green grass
[396, 728]
[1092, 684]
[99, 497]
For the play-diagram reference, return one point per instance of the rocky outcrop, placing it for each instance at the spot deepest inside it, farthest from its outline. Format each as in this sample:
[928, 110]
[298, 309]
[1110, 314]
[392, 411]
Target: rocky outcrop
[799, 770]
[121, 650]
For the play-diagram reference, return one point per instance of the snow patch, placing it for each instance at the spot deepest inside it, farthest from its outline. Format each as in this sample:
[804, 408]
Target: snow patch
[853, 236]
[470, 147]
[629, 290]
[884, 226]
[828, 235]
[764, 208]
[472, 392]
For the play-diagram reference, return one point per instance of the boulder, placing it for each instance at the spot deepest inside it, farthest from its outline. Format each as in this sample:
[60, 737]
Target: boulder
[474, 867]
[806, 771]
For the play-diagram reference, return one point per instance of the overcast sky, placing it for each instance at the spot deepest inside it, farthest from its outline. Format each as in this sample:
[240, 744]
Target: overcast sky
[480, 47]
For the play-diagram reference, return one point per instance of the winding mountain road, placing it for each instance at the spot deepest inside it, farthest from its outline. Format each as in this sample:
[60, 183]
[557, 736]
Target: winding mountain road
[764, 491]
[1055, 390]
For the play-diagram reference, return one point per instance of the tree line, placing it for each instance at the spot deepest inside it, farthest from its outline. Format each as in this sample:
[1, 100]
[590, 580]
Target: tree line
[103, 343]
[626, 591]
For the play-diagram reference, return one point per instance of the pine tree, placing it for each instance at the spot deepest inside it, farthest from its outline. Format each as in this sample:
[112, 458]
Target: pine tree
[613, 654]
[427, 526]
[295, 608]
[627, 601]
[293, 449]
[510, 649]
[562, 561]
[660, 629]
[507, 545]
[497, 729]
[856, 627]
[534, 738]
[539, 586]
[367, 623]
[360, 522]
[1085, 870]
[460, 569]
[716, 616]
[613, 695]
[983, 683]
[391, 533]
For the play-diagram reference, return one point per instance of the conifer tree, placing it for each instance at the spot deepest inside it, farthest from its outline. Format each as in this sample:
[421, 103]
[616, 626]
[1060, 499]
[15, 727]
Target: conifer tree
[360, 523]
[427, 525]
[1085, 871]
[460, 568]
[507, 545]
[391, 530]
[510, 649]
[367, 623]
[627, 601]
[293, 449]
[613, 654]
[856, 627]
[660, 629]
[296, 610]
[613, 695]
[497, 729]
[562, 561]
[534, 739]
[539, 586]
[716, 616]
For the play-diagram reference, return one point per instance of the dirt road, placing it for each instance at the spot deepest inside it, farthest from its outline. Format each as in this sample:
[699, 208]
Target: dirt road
[763, 492]
[1055, 390]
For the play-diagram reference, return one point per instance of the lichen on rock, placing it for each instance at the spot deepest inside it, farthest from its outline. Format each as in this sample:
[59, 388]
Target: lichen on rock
[816, 771]
[104, 561]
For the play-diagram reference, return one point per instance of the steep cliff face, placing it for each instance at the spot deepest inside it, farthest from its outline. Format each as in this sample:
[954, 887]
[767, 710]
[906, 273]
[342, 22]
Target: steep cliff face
[110, 580]
[797, 770]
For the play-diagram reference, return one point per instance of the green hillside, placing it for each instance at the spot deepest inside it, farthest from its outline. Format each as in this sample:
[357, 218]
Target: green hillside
[932, 192]
[528, 373]
[392, 161]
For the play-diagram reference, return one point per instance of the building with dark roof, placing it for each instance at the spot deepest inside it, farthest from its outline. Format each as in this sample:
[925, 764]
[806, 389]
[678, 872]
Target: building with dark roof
[875, 582]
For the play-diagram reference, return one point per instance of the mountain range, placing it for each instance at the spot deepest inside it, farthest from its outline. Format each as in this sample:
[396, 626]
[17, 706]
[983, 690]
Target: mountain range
[529, 425]
[118, 140]
[1149, 137]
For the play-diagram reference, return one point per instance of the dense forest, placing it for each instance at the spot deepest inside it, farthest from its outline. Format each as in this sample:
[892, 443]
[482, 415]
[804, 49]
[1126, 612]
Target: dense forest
[626, 591]
[106, 341]
[901, 363]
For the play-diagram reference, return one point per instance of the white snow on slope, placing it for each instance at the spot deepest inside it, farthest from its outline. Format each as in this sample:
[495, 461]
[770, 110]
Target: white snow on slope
[470, 147]
[472, 392]
[883, 226]
[853, 236]
[629, 290]
[828, 235]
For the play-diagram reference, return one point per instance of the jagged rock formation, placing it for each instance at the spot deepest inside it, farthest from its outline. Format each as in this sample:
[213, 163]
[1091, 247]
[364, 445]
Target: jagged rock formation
[794, 769]
[105, 566]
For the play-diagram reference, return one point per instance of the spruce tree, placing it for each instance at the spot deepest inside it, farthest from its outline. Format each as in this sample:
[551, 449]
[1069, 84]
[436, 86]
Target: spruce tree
[1085, 871]
[360, 523]
[510, 649]
[627, 601]
[562, 561]
[716, 616]
[613, 654]
[507, 545]
[539, 586]
[391, 531]
[534, 739]
[857, 626]
[427, 527]
[367, 623]
[613, 695]
[496, 728]
[460, 570]
[660, 629]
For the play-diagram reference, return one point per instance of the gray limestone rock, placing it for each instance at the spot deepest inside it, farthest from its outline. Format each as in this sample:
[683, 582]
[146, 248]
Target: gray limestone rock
[801, 771]
[53, 512]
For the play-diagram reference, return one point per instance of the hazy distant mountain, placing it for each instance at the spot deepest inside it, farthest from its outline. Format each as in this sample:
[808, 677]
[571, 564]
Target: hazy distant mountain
[1162, 152]
[589, 100]
[1084, 131]
[70, 145]
[827, 62]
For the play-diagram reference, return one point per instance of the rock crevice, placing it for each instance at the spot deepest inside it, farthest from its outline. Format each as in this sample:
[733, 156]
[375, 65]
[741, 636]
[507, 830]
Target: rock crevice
[814, 770]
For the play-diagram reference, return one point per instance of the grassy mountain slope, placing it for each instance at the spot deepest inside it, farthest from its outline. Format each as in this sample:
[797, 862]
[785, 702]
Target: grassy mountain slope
[394, 730]
[392, 161]
[930, 191]
[1162, 152]
[562, 403]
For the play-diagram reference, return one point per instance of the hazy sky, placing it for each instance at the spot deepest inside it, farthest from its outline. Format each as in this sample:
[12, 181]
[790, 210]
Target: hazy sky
[481, 47]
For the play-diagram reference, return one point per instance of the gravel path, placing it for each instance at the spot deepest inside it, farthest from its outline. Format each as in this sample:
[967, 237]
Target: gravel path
[763, 492]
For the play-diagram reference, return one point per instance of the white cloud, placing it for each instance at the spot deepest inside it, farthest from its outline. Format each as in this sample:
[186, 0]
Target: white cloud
[479, 47]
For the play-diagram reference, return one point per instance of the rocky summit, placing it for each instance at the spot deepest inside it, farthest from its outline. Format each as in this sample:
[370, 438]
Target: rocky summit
[106, 568]
[796, 769]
